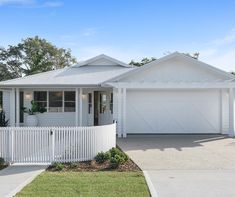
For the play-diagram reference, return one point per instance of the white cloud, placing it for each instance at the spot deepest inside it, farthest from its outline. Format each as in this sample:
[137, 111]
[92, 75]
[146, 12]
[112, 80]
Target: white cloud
[224, 61]
[221, 52]
[227, 39]
[52, 4]
[16, 2]
[31, 3]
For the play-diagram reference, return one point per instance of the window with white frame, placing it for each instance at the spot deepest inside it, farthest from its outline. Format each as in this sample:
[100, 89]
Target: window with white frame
[69, 101]
[56, 101]
[40, 97]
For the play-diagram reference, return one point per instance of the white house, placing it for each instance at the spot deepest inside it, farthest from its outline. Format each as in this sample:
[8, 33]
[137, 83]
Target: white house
[174, 94]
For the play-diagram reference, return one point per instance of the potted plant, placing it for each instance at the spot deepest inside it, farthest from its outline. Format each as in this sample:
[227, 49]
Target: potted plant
[31, 119]
[3, 121]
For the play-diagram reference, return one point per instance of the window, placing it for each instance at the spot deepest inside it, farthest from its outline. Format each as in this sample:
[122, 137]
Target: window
[40, 97]
[69, 101]
[111, 103]
[56, 101]
[1, 101]
[89, 103]
[103, 99]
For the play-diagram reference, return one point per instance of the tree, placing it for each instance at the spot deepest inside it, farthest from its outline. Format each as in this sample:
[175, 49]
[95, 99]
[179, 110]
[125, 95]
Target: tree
[194, 55]
[142, 62]
[31, 56]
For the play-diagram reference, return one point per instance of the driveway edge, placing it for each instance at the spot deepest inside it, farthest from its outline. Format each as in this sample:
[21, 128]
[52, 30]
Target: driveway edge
[26, 182]
[152, 190]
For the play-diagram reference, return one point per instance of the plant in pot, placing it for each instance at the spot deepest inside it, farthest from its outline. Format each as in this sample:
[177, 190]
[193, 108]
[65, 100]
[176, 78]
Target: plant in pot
[31, 119]
[3, 121]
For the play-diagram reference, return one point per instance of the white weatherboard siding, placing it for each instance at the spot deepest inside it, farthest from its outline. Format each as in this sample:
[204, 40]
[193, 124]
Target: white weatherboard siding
[183, 111]
[56, 119]
[6, 103]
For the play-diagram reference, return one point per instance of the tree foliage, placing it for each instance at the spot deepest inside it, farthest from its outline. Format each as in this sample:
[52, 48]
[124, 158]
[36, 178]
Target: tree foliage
[142, 62]
[31, 56]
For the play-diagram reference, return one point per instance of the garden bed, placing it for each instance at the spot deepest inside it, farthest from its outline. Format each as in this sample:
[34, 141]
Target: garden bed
[93, 166]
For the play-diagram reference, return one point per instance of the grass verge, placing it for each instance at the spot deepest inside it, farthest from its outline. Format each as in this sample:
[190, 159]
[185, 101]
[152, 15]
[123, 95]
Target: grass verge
[106, 183]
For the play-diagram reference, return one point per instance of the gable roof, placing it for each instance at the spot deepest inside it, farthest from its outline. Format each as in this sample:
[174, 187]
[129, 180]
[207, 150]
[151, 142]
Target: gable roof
[73, 76]
[113, 61]
[168, 57]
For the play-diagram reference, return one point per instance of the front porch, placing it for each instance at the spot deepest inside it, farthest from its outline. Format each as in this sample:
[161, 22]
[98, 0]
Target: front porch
[90, 106]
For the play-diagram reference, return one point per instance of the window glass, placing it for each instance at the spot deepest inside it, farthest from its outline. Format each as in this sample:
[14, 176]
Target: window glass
[1, 101]
[89, 103]
[69, 101]
[56, 101]
[111, 103]
[40, 97]
[103, 99]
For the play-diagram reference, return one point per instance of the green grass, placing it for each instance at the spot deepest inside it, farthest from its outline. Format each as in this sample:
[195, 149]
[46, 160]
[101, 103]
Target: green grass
[85, 184]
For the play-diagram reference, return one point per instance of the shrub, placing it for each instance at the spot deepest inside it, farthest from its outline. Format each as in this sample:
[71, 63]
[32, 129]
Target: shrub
[74, 165]
[58, 166]
[2, 161]
[102, 157]
[116, 161]
[116, 151]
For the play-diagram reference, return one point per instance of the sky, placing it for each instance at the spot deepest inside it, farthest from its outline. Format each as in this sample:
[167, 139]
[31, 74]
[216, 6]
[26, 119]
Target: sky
[126, 29]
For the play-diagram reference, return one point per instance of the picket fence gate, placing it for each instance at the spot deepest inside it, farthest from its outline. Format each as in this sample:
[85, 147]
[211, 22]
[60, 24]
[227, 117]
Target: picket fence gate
[55, 144]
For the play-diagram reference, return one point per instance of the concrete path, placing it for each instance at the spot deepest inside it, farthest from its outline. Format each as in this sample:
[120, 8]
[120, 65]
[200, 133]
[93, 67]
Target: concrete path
[15, 177]
[185, 165]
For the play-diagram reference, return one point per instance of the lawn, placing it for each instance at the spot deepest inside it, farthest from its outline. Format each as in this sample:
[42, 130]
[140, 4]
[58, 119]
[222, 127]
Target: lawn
[103, 183]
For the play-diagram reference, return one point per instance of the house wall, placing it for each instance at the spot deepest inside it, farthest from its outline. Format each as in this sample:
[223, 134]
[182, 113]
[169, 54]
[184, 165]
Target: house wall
[175, 70]
[6, 103]
[68, 118]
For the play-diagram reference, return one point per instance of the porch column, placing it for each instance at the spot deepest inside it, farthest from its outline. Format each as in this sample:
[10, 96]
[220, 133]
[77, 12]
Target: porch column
[12, 108]
[119, 123]
[17, 107]
[231, 112]
[80, 107]
[124, 113]
[221, 110]
[76, 108]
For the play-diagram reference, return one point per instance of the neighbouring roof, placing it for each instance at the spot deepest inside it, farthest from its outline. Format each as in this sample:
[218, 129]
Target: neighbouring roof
[92, 72]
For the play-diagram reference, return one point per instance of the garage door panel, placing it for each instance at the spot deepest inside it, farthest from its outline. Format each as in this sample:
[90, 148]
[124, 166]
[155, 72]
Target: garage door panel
[172, 112]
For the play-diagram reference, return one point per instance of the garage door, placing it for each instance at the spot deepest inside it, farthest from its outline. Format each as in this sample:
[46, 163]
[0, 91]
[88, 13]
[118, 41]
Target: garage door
[173, 111]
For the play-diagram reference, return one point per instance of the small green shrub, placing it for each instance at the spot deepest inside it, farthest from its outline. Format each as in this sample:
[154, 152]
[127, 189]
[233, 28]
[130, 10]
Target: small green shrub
[102, 157]
[74, 165]
[116, 161]
[115, 156]
[2, 161]
[116, 151]
[58, 166]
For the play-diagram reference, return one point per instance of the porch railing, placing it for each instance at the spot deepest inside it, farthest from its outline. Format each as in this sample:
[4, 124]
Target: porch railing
[55, 144]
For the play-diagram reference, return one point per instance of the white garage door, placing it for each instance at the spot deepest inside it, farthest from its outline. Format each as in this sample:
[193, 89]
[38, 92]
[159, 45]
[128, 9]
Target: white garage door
[173, 111]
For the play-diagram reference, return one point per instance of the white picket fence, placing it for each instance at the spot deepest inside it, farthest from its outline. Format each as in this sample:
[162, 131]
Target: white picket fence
[55, 144]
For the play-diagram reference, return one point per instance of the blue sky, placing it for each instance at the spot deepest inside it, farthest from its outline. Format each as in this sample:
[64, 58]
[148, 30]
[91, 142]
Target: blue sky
[126, 29]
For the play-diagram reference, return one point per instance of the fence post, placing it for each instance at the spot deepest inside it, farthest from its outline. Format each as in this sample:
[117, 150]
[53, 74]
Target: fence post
[52, 144]
[11, 145]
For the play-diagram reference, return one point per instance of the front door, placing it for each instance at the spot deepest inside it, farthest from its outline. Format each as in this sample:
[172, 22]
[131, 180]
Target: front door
[102, 107]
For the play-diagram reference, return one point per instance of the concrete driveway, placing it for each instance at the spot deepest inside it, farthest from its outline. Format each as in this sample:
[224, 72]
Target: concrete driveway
[185, 165]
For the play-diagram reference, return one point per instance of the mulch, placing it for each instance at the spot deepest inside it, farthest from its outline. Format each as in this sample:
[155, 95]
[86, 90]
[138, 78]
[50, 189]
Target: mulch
[93, 166]
[3, 166]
